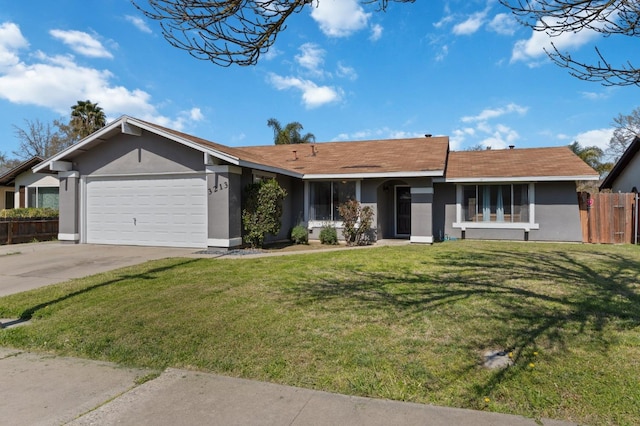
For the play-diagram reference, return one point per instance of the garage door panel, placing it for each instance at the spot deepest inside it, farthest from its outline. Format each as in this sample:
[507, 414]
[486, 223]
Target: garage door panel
[157, 211]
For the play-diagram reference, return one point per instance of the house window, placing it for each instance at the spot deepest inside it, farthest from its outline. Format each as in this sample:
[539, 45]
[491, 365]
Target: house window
[496, 203]
[499, 206]
[9, 200]
[326, 196]
[43, 197]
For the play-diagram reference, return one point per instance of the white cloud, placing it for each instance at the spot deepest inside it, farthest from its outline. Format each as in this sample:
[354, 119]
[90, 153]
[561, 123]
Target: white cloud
[594, 96]
[471, 25]
[57, 82]
[340, 18]
[597, 137]
[533, 49]
[376, 32]
[11, 40]
[312, 95]
[504, 24]
[82, 43]
[485, 133]
[380, 133]
[490, 113]
[139, 23]
[347, 72]
[311, 58]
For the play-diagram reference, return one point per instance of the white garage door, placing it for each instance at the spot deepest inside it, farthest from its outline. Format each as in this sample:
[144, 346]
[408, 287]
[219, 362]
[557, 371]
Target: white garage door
[149, 211]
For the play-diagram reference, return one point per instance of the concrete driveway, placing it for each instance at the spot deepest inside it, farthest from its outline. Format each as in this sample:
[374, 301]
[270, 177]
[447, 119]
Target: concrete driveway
[28, 266]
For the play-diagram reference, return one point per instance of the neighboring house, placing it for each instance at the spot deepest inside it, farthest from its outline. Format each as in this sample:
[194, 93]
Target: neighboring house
[21, 187]
[134, 182]
[625, 175]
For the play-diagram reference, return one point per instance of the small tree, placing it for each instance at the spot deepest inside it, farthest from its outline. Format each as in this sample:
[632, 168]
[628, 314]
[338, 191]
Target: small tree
[263, 211]
[357, 222]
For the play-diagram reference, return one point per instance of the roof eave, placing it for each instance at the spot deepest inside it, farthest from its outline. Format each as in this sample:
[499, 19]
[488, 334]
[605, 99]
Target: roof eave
[522, 179]
[126, 120]
[621, 164]
[372, 175]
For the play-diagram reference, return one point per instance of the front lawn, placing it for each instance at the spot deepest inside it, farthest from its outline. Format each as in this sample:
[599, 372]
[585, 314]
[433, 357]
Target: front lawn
[408, 323]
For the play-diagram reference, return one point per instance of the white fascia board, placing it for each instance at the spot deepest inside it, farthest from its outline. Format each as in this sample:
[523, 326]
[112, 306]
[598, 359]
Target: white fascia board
[79, 145]
[521, 179]
[320, 176]
[269, 169]
[214, 152]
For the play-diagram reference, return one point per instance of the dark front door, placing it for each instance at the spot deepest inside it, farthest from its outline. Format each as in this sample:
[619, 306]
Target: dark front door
[403, 210]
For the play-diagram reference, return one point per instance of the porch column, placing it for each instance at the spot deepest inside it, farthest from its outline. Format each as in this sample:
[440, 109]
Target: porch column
[224, 221]
[69, 206]
[421, 215]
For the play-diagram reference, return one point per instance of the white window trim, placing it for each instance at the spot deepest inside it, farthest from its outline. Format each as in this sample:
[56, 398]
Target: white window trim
[527, 226]
[307, 204]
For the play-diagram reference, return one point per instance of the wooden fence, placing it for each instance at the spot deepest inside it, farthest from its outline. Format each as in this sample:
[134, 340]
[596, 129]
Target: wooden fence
[608, 218]
[14, 231]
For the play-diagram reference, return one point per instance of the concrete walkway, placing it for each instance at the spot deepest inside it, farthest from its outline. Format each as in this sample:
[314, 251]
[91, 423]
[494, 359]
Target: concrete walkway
[45, 390]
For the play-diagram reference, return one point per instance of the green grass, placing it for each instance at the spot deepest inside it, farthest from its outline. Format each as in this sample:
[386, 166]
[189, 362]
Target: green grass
[407, 323]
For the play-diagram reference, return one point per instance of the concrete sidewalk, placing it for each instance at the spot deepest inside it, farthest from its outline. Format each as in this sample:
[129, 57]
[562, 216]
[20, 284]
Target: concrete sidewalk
[45, 390]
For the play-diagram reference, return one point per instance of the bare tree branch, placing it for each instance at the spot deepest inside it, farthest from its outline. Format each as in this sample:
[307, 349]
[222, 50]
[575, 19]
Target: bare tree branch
[607, 17]
[227, 32]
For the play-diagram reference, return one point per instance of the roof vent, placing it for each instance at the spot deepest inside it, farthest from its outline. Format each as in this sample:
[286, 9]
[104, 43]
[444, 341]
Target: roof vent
[313, 151]
[428, 135]
[295, 154]
[511, 146]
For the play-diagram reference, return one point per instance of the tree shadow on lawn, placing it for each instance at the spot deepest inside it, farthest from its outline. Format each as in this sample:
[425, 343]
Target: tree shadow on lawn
[28, 313]
[523, 300]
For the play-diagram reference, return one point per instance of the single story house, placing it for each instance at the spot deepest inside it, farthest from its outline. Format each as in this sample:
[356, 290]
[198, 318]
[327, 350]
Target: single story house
[21, 187]
[134, 182]
[625, 174]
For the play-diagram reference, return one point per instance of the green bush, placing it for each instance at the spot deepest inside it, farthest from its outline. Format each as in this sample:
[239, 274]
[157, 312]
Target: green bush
[299, 235]
[263, 211]
[30, 212]
[328, 235]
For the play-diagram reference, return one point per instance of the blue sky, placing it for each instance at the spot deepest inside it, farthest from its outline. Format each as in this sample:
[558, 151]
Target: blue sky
[463, 68]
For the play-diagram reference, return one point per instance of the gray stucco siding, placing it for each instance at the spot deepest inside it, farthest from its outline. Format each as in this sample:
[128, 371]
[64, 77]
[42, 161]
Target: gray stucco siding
[556, 214]
[68, 223]
[146, 154]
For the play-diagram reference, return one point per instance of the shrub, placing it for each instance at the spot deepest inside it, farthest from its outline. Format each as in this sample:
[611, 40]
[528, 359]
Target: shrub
[328, 235]
[263, 211]
[357, 222]
[30, 212]
[300, 235]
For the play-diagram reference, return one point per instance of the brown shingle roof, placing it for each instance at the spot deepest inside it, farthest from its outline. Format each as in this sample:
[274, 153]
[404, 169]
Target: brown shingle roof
[517, 163]
[425, 156]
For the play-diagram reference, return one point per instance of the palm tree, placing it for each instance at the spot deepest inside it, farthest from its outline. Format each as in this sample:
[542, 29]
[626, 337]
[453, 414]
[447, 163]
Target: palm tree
[86, 118]
[290, 134]
[593, 156]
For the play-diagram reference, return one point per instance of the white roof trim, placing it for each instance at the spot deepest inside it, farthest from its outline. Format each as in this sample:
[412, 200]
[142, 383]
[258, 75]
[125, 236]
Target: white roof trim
[521, 179]
[132, 121]
[218, 154]
[78, 145]
[373, 175]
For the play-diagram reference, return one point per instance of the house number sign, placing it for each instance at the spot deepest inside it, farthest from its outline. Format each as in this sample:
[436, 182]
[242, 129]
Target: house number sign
[220, 187]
